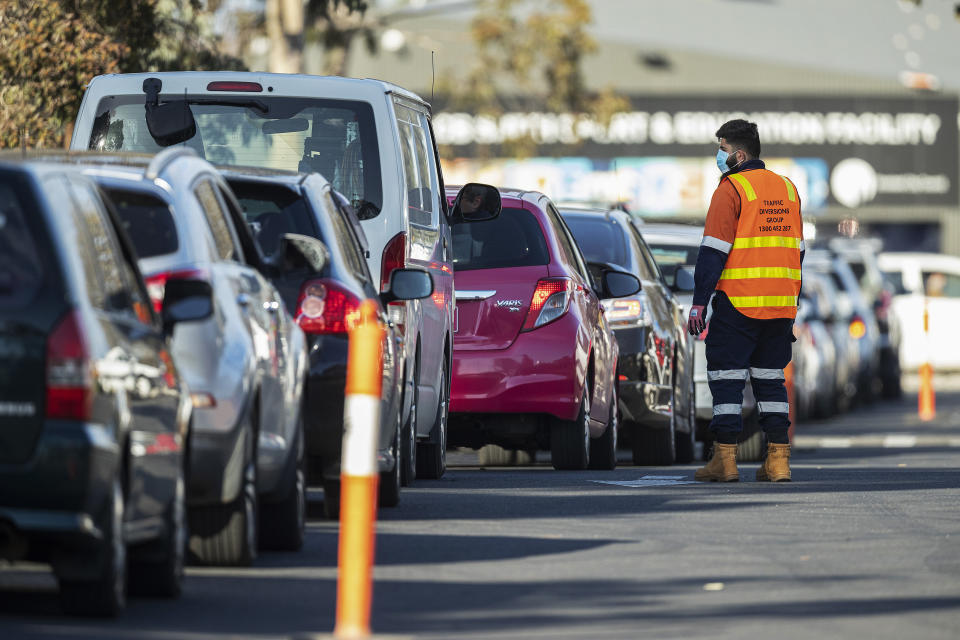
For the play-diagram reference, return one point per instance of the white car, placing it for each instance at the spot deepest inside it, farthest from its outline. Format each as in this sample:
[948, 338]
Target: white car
[372, 140]
[931, 281]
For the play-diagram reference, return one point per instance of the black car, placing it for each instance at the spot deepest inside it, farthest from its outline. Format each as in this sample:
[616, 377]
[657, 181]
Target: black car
[93, 417]
[657, 399]
[325, 306]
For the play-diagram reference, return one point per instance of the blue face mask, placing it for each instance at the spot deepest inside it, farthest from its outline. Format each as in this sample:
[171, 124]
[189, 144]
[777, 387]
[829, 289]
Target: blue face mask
[722, 161]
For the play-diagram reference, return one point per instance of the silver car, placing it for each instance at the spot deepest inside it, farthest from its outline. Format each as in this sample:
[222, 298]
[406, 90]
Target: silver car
[245, 366]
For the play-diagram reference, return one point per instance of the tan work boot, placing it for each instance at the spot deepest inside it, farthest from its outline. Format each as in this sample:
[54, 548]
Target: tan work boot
[722, 466]
[776, 466]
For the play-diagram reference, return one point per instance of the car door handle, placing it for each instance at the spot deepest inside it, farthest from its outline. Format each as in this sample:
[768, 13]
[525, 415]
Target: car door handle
[243, 300]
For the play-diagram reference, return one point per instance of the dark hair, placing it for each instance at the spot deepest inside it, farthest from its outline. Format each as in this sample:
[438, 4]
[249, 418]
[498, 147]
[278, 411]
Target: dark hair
[742, 135]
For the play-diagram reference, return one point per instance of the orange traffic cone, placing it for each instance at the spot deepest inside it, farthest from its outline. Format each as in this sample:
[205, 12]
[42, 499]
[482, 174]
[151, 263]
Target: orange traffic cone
[788, 382]
[927, 401]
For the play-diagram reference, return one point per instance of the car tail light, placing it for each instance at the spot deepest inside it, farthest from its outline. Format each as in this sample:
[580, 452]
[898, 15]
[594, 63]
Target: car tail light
[551, 299]
[325, 307]
[394, 257]
[627, 312]
[858, 328]
[157, 283]
[69, 378]
[229, 85]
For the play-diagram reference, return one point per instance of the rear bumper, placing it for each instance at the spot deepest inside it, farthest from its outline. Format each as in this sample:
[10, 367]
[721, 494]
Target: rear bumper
[538, 374]
[56, 496]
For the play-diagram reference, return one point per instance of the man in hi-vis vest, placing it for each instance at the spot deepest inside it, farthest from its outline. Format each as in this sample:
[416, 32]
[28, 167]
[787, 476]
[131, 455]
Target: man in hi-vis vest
[749, 261]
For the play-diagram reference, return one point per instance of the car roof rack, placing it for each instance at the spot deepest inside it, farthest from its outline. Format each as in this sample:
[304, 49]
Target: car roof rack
[165, 157]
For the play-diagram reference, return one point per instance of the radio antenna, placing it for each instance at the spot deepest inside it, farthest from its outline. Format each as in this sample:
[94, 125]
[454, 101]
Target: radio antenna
[433, 79]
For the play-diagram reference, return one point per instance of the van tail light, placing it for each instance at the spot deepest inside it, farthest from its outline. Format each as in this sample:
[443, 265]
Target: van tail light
[69, 375]
[325, 307]
[394, 257]
[550, 301]
[157, 283]
[627, 312]
[858, 328]
[232, 85]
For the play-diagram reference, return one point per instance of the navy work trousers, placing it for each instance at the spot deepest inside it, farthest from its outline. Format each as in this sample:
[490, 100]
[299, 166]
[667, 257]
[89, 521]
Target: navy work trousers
[738, 348]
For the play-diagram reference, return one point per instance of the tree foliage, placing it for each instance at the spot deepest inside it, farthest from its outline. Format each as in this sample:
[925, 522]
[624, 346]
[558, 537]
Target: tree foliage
[529, 51]
[49, 50]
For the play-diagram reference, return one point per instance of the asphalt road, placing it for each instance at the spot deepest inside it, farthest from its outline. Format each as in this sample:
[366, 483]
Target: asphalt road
[865, 543]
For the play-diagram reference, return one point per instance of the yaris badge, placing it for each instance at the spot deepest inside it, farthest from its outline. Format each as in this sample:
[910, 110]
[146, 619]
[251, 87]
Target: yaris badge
[513, 305]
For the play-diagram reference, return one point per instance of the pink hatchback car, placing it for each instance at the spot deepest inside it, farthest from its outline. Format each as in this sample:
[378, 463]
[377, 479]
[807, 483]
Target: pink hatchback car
[534, 359]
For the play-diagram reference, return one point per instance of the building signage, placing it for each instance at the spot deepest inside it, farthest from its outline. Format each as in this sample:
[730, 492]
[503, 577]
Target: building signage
[854, 151]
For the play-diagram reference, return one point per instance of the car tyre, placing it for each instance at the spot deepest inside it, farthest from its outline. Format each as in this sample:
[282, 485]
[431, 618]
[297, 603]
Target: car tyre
[105, 594]
[160, 572]
[432, 455]
[408, 452]
[751, 449]
[603, 450]
[283, 524]
[656, 446]
[570, 440]
[684, 446]
[388, 490]
[226, 535]
[331, 499]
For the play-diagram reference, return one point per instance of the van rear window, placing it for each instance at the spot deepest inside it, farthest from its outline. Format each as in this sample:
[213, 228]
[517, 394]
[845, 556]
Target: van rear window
[148, 222]
[513, 239]
[335, 138]
[21, 266]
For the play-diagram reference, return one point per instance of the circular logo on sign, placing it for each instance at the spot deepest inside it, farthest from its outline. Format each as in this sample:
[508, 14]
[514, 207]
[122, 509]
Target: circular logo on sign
[853, 182]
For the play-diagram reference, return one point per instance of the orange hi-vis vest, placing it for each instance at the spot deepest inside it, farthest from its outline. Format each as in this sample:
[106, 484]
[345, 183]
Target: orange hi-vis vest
[762, 274]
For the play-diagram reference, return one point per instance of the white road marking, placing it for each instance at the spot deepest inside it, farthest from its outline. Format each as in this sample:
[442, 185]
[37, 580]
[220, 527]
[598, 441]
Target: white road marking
[835, 443]
[648, 481]
[899, 441]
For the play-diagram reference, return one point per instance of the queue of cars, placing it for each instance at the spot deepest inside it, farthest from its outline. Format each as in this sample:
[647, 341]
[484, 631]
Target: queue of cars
[177, 293]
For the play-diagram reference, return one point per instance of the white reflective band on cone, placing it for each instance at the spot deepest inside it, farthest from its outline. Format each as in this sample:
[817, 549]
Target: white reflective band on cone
[774, 407]
[726, 409]
[766, 374]
[728, 374]
[361, 433]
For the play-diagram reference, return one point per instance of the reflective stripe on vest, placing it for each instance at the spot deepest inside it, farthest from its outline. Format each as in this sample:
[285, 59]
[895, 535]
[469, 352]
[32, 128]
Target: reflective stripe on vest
[762, 273]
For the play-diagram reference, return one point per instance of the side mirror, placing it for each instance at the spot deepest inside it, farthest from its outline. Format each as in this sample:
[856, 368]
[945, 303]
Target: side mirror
[407, 284]
[300, 253]
[186, 300]
[169, 123]
[476, 202]
[618, 284]
[683, 280]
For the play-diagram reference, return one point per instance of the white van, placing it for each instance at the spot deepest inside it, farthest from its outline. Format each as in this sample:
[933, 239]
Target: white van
[372, 140]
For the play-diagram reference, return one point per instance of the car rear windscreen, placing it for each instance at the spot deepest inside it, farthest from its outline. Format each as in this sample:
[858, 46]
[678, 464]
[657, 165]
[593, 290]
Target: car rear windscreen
[600, 239]
[148, 222]
[21, 265]
[513, 239]
[671, 256]
[335, 138]
[271, 211]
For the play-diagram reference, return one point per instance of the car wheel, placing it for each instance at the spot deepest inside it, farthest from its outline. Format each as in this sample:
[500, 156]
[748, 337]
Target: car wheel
[751, 449]
[432, 455]
[105, 594]
[408, 453]
[684, 445]
[388, 491]
[159, 572]
[603, 450]
[570, 440]
[493, 455]
[656, 446]
[331, 499]
[226, 535]
[283, 524]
